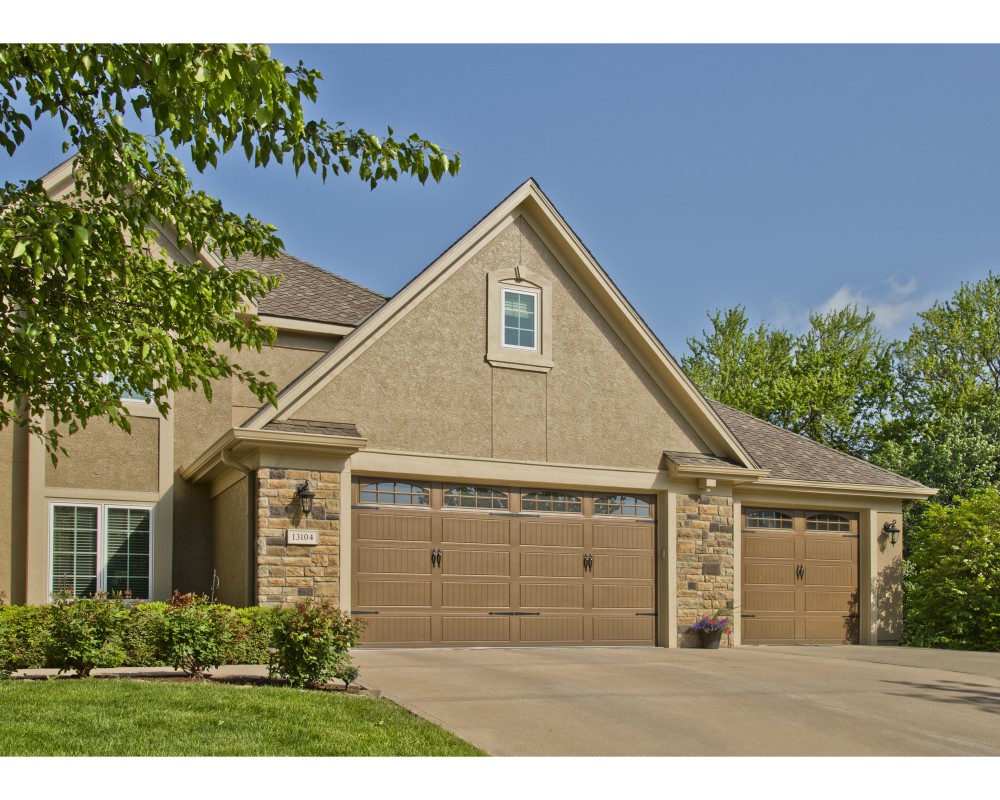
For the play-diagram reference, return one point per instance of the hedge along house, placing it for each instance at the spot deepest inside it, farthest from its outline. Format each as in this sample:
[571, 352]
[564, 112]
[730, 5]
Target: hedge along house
[502, 453]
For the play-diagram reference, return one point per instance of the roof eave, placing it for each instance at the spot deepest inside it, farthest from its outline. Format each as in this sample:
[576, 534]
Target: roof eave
[239, 443]
[830, 487]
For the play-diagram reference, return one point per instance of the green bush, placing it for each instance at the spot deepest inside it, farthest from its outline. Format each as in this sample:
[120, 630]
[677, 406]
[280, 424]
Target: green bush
[952, 576]
[188, 633]
[252, 635]
[23, 638]
[140, 635]
[85, 632]
[193, 633]
[311, 643]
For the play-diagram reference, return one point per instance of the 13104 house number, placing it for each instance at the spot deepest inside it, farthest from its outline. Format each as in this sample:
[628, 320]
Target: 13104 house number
[302, 537]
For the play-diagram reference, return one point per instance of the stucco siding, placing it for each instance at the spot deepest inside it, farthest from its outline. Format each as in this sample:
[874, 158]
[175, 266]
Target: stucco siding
[888, 589]
[282, 365]
[425, 385]
[231, 544]
[13, 511]
[102, 456]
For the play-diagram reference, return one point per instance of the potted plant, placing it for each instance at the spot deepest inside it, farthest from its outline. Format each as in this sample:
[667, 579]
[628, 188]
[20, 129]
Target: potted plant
[711, 627]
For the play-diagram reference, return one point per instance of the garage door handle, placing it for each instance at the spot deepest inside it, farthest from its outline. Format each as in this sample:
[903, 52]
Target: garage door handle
[800, 571]
[435, 558]
[588, 563]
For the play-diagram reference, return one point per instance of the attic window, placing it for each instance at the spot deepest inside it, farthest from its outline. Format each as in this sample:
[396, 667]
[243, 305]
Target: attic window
[520, 318]
[519, 314]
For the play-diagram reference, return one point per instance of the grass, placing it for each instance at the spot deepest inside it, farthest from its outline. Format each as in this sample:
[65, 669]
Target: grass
[128, 717]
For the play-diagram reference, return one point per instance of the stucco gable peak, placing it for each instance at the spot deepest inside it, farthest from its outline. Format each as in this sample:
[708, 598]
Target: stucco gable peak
[530, 201]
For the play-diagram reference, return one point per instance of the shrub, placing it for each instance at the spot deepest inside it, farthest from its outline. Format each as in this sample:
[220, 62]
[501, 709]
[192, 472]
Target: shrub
[23, 638]
[140, 634]
[952, 577]
[311, 641]
[348, 673]
[252, 634]
[193, 633]
[85, 632]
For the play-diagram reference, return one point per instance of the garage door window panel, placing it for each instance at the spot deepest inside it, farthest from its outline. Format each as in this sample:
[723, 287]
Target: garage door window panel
[828, 523]
[476, 497]
[622, 505]
[394, 493]
[552, 502]
[769, 520]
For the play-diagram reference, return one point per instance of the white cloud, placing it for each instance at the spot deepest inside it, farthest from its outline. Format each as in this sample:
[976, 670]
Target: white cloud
[895, 304]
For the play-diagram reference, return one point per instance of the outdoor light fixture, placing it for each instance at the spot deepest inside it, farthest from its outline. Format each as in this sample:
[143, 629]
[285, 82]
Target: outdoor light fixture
[891, 531]
[305, 497]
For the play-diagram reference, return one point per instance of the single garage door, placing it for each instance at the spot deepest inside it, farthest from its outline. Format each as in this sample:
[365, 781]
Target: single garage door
[800, 577]
[449, 564]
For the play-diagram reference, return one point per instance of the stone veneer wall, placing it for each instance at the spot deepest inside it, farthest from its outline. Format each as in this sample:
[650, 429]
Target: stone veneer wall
[288, 573]
[705, 576]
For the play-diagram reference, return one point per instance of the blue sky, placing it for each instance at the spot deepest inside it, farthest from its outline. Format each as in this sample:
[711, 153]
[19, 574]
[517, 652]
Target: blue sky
[785, 178]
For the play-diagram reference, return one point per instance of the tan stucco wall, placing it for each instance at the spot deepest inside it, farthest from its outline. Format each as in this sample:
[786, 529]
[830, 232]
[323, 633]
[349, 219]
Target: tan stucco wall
[282, 365]
[888, 588]
[105, 457]
[231, 544]
[13, 512]
[197, 423]
[425, 386]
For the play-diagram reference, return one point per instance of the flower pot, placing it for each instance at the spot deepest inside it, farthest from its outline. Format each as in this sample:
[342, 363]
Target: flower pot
[710, 639]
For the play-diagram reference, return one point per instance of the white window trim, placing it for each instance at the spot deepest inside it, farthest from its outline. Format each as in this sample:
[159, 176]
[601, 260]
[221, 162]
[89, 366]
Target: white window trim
[538, 358]
[506, 289]
[102, 535]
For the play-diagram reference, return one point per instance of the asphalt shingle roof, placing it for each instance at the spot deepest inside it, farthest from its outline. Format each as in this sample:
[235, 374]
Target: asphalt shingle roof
[315, 427]
[684, 459]
[789, 456]
[310, 292]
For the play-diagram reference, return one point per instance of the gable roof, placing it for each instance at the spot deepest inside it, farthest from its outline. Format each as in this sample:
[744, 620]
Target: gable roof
[789, 456]
[310, 292]
[528, 198]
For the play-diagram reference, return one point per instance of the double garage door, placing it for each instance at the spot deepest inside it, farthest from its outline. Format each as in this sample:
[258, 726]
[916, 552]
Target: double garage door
[800, 577]
[445, 564]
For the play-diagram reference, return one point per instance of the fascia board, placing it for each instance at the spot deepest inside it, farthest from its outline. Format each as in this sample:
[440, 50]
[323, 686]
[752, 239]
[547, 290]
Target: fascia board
[294, 325]
[776, 485]
[734, 474]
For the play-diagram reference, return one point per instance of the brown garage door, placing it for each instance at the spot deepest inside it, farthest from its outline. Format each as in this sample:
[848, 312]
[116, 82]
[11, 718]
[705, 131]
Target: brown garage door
[800, 577]
[443, 564]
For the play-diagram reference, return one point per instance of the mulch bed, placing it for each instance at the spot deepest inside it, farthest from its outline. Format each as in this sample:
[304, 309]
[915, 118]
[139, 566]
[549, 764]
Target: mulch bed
[232, 680]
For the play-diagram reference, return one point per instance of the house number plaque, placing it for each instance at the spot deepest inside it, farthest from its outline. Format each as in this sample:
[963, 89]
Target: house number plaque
[302, 537]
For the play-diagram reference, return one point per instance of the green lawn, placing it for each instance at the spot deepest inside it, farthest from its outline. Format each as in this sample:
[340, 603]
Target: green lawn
[146, 718]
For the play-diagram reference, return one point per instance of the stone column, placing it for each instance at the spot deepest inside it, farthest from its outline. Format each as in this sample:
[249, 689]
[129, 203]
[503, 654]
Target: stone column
[288, 573]
[705, 567]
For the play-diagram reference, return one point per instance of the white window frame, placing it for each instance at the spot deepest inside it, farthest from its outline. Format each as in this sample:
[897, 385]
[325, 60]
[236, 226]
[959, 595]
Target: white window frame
[102, 537]
[536, 321]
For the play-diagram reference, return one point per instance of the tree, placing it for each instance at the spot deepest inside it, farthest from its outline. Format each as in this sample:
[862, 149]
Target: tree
[86, 289]
[831, 383]
[944, 429]
[952, 586]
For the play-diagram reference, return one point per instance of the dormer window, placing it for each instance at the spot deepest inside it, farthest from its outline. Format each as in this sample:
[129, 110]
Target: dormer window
[520, 317]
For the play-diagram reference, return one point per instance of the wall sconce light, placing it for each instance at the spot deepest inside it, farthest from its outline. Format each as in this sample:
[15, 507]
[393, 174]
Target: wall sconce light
[891, 531]
[305, 497]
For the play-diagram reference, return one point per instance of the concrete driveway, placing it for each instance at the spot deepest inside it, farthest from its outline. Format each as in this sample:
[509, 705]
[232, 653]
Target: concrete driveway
[750, 701]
